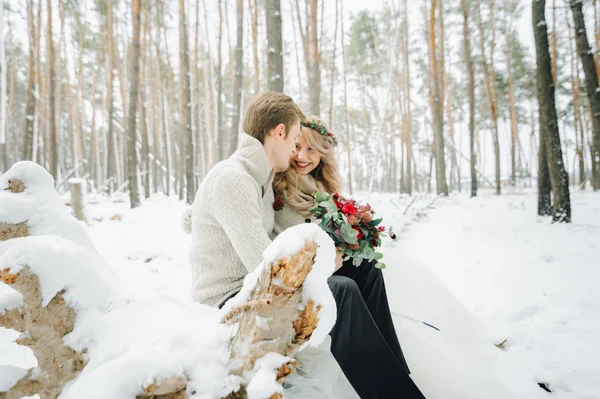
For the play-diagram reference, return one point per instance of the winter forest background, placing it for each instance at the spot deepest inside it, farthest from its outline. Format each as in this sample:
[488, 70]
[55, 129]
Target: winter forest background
[154, 104]
[438, 106]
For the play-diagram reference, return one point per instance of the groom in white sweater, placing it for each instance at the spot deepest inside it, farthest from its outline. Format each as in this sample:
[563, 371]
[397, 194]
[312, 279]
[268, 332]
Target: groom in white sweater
[232, 215]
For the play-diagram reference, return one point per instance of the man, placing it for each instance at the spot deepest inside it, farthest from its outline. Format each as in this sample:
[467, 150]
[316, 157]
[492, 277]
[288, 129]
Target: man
[232, 218]
[233, 215]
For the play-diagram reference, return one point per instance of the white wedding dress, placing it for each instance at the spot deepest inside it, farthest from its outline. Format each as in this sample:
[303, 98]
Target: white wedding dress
[454, 361]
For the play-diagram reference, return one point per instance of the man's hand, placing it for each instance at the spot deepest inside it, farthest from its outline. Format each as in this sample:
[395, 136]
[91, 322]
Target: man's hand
[339, 259]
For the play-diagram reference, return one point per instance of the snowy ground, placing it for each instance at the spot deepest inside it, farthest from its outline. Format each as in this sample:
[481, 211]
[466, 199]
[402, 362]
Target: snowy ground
[531, 283]
[527, 281]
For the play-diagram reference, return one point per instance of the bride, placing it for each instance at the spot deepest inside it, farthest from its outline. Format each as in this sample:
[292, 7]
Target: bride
[449, 353]
[364, 340]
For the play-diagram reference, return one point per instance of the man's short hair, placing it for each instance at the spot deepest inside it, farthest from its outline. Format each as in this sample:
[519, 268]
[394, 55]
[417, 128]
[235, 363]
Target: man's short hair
[269, 109]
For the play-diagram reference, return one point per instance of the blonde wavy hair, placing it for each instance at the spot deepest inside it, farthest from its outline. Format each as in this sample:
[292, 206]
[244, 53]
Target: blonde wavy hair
[288, 183]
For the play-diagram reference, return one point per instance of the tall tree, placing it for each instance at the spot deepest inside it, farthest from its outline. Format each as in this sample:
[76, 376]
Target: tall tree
[186, 124]
[309, 35]
[407, 123]
[111, 142]
[253, 10]
[591, 84]
[53, 144]
[471, 91]
[561, 211]
[436, 105]
[220, 130]
[239, 77]
[511, 94]
[575, 93]
[134, 73]
[274, 45]
[346, 112]
[30, 103]
[489, 75]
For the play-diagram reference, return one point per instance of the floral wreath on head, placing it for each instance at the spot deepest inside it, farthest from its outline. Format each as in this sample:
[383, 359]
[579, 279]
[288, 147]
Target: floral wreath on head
[322, 130]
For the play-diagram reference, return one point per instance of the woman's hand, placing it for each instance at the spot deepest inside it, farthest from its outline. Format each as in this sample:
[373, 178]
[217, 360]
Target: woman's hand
[339, 259]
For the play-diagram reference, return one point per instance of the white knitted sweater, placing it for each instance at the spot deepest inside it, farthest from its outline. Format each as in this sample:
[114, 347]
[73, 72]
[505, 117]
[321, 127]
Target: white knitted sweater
[232, 218]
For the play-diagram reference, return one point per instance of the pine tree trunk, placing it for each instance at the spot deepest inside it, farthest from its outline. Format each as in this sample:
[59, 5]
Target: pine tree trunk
[471, 92]
[346, 113]
[591, 84]
[53, 144]
[239, 77]
[197, 114]
[437, 113]
[220, 130]
[544, 186]
[575, 92]
[332, 87]
[253, 8]
[274, 45]
[489, 75]
[189, 148]
[111, 150]
[561, 211]
[512, 110]
[134, 73]
[30, 102]
[314, 77]
[408, 122]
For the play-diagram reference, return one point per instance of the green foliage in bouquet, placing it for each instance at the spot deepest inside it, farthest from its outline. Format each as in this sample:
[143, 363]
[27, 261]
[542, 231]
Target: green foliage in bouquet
[352, 226]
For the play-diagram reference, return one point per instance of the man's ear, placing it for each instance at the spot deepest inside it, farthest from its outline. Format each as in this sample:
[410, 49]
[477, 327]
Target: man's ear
[280, 131]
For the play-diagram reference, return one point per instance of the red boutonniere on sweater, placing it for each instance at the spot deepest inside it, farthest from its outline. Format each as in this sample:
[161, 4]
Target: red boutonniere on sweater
[279, 203]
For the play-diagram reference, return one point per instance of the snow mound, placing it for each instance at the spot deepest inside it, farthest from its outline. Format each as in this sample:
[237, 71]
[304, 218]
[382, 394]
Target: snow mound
[132, 340]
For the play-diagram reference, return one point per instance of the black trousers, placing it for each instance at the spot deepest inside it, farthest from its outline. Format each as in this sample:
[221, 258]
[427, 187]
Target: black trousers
[363, 340]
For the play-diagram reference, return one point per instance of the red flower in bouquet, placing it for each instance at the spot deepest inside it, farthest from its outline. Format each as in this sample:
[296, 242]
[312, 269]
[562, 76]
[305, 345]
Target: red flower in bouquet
[348, 209]
[360, 233]
[352, 227]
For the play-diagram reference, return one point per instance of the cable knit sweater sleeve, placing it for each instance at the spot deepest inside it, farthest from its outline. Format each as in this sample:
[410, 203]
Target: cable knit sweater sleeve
[237, 208]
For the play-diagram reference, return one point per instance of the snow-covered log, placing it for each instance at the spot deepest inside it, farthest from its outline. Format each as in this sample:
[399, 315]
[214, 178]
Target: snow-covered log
[95, 338]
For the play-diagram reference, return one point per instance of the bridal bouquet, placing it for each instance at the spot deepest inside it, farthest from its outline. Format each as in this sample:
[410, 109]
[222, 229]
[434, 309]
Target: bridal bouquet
[352, 226]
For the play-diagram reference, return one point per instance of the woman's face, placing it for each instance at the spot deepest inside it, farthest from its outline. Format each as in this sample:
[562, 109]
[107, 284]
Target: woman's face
[304, 159]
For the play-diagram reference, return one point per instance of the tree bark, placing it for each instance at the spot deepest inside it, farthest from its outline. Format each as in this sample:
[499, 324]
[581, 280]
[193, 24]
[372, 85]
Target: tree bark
[274, 45]
[30, 102]
[253, 9]
[559, 179]
[111, 160]
[471, 93]
[591, 84]
[134, 73]
[346, 113]
[53, 144]
[189, 148]
[512, 107]
[239, 77]
[220, 130]
[544, 185]
[408, 106]
[314, 79]
[437, 112]
[489, 75]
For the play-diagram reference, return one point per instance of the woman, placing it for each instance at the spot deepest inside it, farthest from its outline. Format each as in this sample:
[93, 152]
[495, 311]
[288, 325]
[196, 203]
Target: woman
[364, 340]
